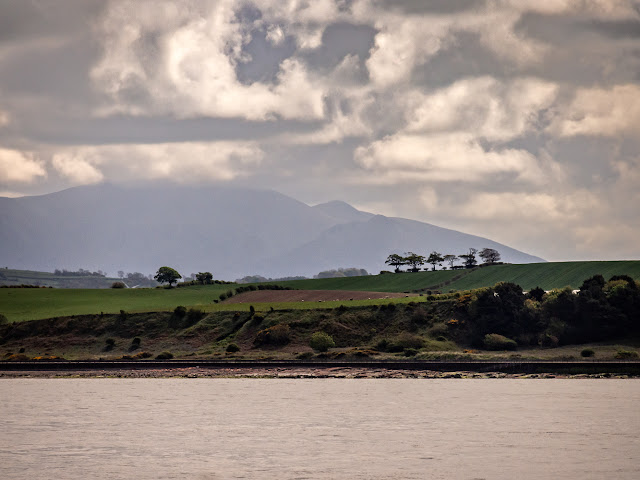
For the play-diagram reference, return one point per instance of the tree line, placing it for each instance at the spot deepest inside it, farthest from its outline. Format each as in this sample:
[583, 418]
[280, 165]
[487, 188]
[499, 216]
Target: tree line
[469, 260]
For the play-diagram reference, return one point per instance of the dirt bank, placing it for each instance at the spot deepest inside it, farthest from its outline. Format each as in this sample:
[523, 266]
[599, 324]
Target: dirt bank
[277, 296]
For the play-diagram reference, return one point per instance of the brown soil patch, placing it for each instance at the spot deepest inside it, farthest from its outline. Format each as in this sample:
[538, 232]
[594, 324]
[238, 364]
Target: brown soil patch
[276, 296]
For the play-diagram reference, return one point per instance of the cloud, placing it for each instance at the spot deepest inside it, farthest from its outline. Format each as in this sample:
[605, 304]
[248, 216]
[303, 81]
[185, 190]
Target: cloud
[484, 107]
[445, 158]
[601, 112]
[19, 167]
[190, 162]
[159, 58]
[4, 119]
[77, 167]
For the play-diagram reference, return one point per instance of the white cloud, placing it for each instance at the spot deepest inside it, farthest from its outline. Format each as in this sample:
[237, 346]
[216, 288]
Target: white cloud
[192, 67]
[444, 158]
[180, 162]
[77, 167]
[4, 119]
[601, 112]
[483, 107]
[19, 167]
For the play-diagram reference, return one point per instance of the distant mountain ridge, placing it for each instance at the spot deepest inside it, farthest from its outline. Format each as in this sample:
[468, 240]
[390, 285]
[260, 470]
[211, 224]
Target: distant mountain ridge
[229, 231]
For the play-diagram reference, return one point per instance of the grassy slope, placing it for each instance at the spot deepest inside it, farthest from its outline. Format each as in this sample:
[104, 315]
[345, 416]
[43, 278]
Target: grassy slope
[32, 303]
[28, 304]
[31, 277]
[404, 282]
[545, 275]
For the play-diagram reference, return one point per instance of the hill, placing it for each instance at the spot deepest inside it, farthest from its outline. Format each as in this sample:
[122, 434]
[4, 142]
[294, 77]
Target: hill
[229, 231]
[548, 275]
[28, 304]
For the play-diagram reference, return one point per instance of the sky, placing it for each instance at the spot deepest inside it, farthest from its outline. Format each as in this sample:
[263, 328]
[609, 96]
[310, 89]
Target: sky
[514, 120]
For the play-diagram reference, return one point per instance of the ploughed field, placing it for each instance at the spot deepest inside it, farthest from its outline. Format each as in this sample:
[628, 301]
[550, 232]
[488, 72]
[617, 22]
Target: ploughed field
[269, 296]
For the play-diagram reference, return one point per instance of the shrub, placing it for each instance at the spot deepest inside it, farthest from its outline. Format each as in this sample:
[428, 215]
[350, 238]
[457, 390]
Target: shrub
[223, 297]
[587, 352]
[406, 340]
[164, 356]
[305, 355]
[118, 285]
[3, 320]
[276, 335]
[410, 352]
[382, 345]
[437, 330]
[142, 355]
[110, 343]
[179, 311]
[493, 341]
[232, 348]
[321, 341]
[626, 354]
[136, 341]
[194, 315]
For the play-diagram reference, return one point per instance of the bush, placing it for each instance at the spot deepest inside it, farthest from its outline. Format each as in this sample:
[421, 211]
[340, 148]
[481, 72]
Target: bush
[232, 348]
[587, 352]
[276, 335]
[410, 352]
[164, 356]
[321, 341]
[493, 341]
[110, 343]
[626, 354]
[406, 340]
[141, 355]
[3, 320]
[118, 285]
[135, 344]
[194, 315]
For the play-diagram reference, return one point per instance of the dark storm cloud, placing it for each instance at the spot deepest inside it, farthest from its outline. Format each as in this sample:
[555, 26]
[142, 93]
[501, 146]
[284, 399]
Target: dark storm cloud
[417, 7]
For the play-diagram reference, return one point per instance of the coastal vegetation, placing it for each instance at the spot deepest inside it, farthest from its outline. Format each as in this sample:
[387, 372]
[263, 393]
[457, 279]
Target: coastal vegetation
[602, 316]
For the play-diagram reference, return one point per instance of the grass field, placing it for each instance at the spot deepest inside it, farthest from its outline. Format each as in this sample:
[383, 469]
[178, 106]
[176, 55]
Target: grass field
[10, 276]
[29, 304]
[545, 275]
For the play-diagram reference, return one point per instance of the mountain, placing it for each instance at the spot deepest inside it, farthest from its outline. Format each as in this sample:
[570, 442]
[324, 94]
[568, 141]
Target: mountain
[229, 231]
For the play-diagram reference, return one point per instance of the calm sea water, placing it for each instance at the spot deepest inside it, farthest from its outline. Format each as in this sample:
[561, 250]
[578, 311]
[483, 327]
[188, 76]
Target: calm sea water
[328, 428]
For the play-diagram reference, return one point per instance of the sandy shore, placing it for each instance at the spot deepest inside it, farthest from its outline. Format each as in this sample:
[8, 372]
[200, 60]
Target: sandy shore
[289, 373]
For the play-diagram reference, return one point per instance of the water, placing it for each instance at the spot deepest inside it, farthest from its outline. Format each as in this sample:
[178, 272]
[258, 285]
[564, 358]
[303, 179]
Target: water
[327, 428]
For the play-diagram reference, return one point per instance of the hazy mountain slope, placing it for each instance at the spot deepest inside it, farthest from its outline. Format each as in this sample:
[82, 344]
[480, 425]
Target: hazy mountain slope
[229, 231]
[342, 212]
[367, 245]
[223, 230]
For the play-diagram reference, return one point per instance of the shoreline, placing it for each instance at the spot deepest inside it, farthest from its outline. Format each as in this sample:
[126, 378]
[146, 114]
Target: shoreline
[295, 373]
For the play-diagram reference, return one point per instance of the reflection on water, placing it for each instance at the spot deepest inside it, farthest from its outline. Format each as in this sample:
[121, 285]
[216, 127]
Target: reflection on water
[328, 428]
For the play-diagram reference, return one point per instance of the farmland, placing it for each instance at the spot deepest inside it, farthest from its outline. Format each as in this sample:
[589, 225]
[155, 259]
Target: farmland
[28, 304]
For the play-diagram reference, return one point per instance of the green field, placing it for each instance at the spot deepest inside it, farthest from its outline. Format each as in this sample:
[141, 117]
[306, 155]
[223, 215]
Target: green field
[28, 304]
[10, 276]
[545, 275]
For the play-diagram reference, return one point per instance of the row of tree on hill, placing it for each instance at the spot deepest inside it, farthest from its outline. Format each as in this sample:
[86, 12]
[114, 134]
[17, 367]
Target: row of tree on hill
[435, 259]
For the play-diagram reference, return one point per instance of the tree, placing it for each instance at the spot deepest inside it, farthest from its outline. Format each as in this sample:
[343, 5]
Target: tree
[489, 255]
[450, 259]
[469, 258]
[414, 260]
[120, 274]
[434, 259]
[167, 275]
[396, 261]
[204, 278]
